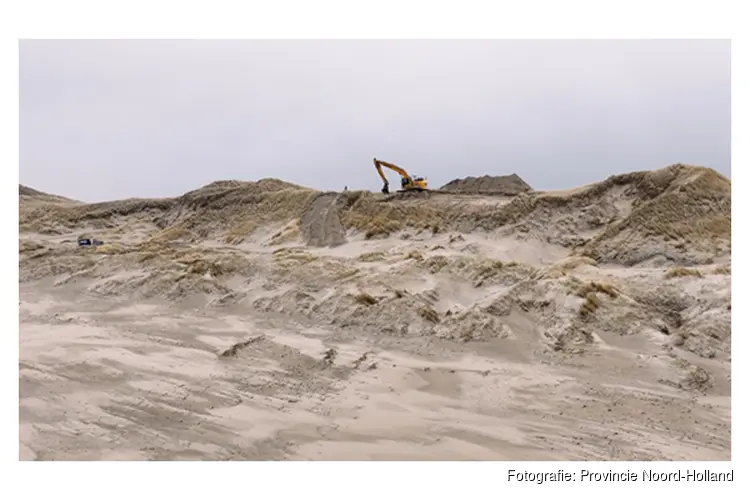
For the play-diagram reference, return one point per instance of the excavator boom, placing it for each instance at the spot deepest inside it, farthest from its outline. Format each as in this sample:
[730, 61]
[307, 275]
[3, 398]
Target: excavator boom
[400, 171]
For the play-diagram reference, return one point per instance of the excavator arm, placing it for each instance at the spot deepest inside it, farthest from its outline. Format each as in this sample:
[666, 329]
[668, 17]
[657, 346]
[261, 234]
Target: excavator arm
[382, 176]
[400, 171]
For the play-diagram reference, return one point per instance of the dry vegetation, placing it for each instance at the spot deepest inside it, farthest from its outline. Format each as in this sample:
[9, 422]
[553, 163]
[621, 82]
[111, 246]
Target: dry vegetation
[235, 349]
[589, 292]
[293, 256]
[681, 272]
[175, 233]
[590, 304]
[371, 257]
[727, 270]
[110, 249]
[288, 233]
[365, 212]
[597, 287]
[573, 263]
[365, 299]
[429, 314]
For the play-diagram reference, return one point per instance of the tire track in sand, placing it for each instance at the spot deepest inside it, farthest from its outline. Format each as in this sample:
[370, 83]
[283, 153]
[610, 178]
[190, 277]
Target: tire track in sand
[321, 224]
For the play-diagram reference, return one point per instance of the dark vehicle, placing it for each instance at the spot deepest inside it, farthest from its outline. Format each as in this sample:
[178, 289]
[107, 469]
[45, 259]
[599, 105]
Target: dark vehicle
[89, 242]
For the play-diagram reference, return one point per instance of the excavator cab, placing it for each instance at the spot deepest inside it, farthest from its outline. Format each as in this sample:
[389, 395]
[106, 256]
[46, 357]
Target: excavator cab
[416, 183]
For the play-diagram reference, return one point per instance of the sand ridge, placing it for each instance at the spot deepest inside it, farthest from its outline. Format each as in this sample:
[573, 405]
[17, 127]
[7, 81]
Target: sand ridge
[265, 320]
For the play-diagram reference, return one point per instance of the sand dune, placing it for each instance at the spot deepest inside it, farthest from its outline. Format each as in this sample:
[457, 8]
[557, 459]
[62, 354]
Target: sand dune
[265, 320]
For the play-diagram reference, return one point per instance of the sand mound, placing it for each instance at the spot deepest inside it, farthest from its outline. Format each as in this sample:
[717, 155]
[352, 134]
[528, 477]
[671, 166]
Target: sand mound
[679, 214]
[227, 210]
[508, 185]
[232, 213]
[27, 191]
[31, 196]
[254, 187]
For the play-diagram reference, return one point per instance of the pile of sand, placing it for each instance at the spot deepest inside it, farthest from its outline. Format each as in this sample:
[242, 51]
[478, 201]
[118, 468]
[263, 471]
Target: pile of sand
[508, 185]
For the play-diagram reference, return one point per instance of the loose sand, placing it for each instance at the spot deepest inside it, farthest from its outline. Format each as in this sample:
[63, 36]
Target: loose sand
[269, 321]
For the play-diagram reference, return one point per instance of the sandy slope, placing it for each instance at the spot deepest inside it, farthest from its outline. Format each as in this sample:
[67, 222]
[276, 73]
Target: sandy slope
[269, 321]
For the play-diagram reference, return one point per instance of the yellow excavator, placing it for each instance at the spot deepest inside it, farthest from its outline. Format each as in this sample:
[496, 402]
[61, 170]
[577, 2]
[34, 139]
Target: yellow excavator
[408, 183]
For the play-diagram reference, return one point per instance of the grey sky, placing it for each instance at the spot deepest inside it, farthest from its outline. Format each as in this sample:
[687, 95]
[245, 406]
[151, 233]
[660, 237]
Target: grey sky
[114, 119]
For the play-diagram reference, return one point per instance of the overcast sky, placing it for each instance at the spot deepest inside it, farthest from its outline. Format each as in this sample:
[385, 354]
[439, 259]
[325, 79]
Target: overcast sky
[114, 119]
